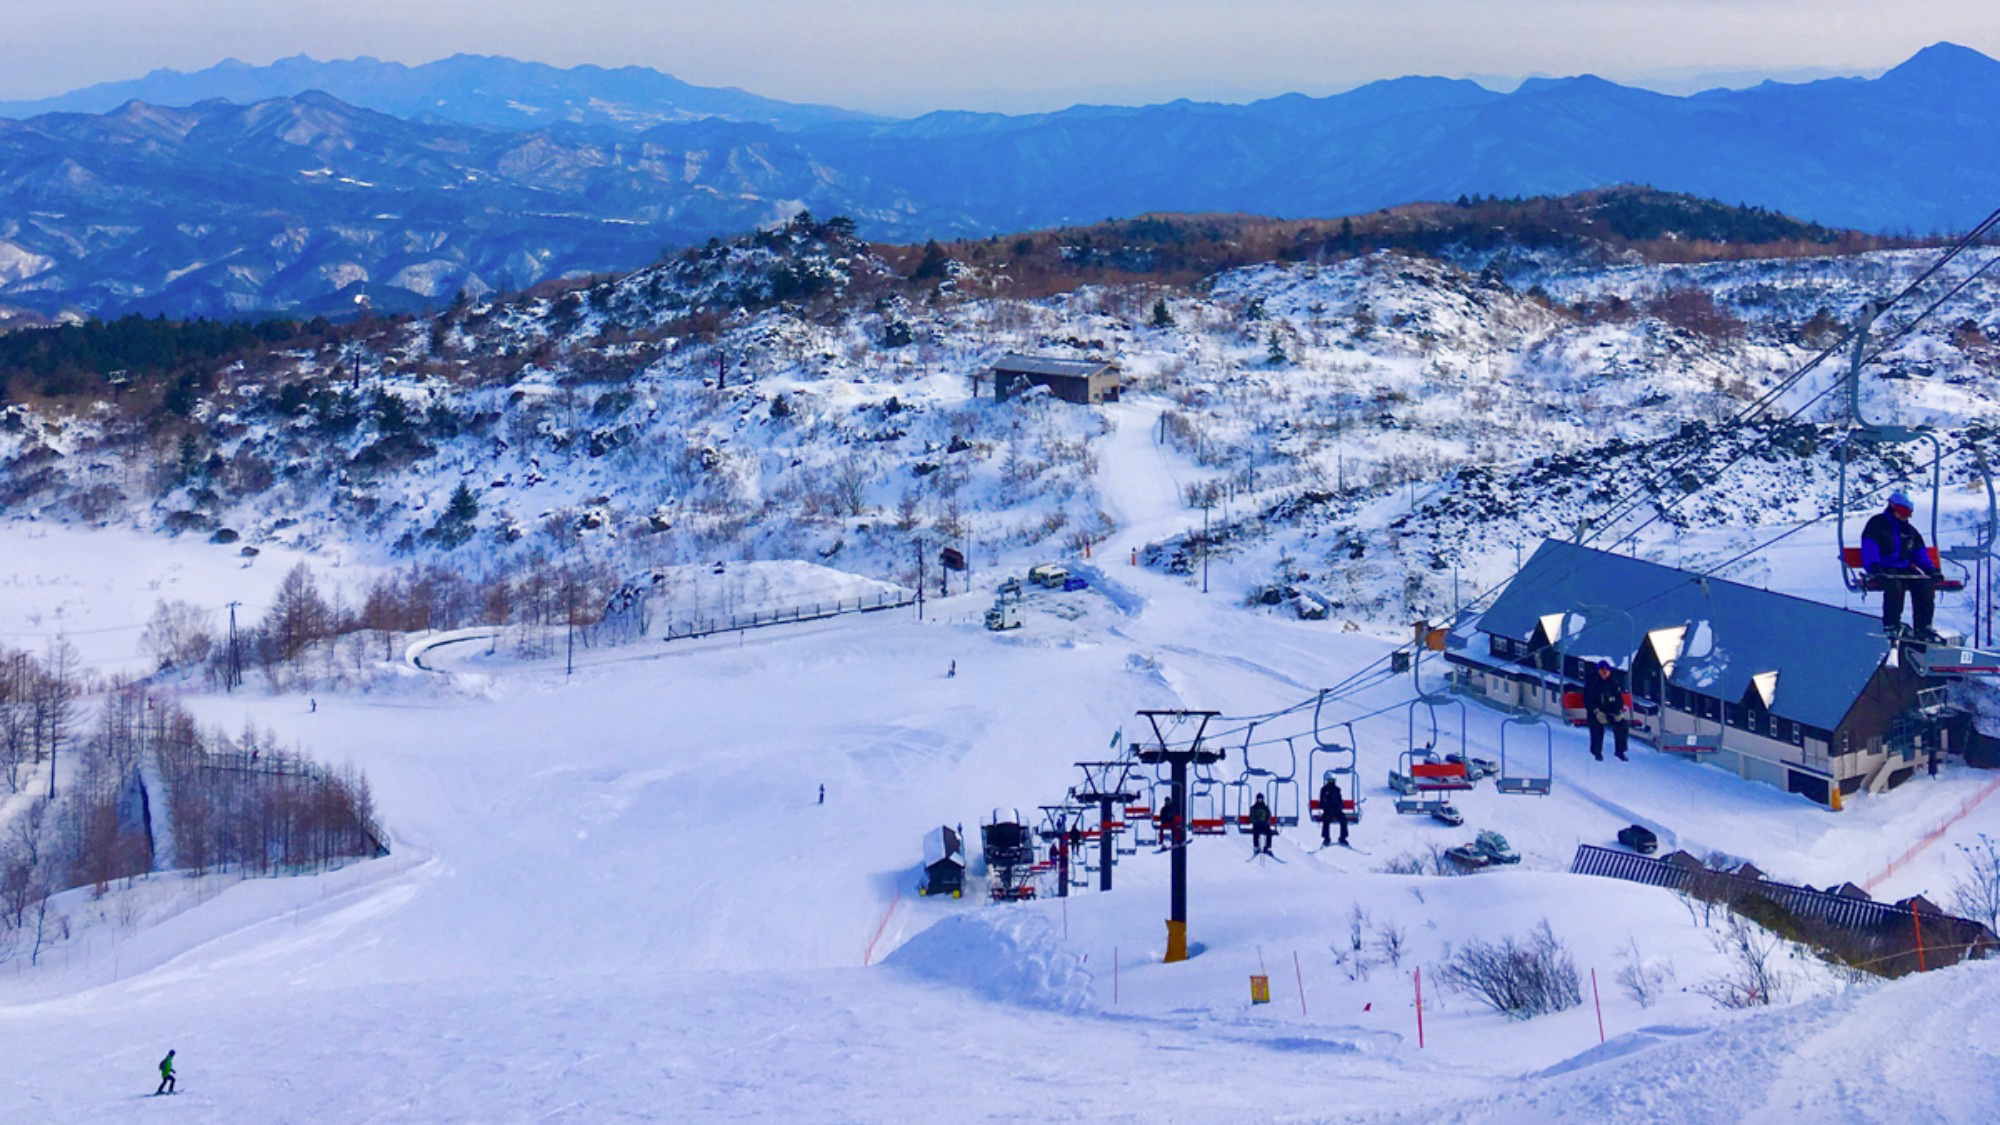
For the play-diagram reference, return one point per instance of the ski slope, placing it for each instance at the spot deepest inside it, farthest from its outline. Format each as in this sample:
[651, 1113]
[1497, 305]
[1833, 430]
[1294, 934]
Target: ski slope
[613, 896]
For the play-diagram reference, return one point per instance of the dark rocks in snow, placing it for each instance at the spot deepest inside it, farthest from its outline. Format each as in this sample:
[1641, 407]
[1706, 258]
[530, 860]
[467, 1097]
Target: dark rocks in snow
[224, 535]
[923, 468]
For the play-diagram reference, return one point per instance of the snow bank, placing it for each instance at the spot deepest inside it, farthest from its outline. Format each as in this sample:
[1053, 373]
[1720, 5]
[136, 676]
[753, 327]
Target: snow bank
[1013, 957]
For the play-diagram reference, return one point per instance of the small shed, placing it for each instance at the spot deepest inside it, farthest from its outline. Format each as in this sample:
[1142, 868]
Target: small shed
[944, 863]
[1086, 382]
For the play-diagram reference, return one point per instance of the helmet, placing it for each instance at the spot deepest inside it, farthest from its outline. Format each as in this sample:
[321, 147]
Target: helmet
[1327, 776]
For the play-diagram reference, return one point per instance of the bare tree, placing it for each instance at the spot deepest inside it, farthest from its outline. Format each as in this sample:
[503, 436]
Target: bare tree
[1520, 978]
[179, 635]
[1976, 894]
[1641, 979]
[1753, 980]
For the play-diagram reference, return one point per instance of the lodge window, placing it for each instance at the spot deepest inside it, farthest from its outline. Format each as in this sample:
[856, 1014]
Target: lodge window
[1677, 697]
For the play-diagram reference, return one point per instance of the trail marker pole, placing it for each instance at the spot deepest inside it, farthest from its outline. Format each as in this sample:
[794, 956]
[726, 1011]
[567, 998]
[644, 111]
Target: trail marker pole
[1917, 924]
[1599, 1002]
[1418, 976]
[1301, 977]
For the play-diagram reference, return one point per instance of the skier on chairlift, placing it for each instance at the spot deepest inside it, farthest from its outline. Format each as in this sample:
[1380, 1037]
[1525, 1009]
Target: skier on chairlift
[1332, 811]
[1261, 834]
[1170, 819]
[1604, 706]
[1894, 554]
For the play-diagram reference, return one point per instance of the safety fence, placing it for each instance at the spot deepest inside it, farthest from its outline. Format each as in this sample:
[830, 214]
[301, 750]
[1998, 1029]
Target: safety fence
[761, 618]
[1811, 912]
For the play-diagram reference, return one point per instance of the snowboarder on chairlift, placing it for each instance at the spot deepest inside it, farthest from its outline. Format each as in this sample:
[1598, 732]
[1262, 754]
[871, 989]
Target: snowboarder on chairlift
[1260, 826]
[166, 1075]
[1604, 706]
[1332, 811]
[1893, 553]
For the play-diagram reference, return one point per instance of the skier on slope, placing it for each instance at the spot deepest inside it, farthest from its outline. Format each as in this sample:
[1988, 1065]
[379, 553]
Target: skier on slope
[166, 1075]
[1332, 811]
[1604, 706]
[1260, 826]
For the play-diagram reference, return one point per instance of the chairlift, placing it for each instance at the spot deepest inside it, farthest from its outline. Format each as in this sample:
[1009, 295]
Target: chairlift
[1693, 743]
[1517, 783]
[1860, 429]
[1204, 811]
[1422, 770]
[1343, 761]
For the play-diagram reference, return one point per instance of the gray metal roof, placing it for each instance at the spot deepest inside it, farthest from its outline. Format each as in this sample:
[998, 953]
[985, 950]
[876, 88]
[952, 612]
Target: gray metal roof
[1015, 362]
[1824, 655]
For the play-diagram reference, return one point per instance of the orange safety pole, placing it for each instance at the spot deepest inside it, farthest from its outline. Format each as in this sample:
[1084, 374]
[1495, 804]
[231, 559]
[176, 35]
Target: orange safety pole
[1917, 924]
[1599, 1001]
[1419, 976]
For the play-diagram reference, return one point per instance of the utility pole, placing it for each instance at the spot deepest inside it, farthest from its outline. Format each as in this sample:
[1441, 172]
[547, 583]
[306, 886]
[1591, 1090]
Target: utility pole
[1098, 786]
[1179, 760]
[920, 579]
[1204, 546]
[233, 674]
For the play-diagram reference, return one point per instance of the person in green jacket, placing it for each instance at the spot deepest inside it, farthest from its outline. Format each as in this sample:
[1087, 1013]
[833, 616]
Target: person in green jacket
[166, 1074]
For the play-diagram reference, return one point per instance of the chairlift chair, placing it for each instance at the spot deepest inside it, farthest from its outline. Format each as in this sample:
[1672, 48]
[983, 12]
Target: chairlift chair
[1204, 811]
[1343, 763]
[1512, 781]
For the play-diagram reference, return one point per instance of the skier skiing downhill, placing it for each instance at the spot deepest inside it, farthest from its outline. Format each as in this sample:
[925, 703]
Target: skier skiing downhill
[1893, 552]
[166, 1075]
[1260, 827]
[1332, 811]
[1604, 706]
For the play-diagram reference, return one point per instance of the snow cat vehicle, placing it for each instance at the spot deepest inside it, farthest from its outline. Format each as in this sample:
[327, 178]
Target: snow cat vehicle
[1009, 850]
[1447, 813]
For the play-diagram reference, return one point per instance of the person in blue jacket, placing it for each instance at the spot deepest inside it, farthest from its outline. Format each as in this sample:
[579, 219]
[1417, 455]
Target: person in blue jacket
[1894, 554]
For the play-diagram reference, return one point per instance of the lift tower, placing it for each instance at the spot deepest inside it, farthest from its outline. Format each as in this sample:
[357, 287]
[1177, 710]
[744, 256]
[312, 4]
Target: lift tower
[1178, 759]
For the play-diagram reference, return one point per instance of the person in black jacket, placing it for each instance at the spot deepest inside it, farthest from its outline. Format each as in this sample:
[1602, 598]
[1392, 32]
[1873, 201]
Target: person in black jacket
[1894, 554]
[1170, 823]
[1332, 811]
[1604, 706]
[1261, 834]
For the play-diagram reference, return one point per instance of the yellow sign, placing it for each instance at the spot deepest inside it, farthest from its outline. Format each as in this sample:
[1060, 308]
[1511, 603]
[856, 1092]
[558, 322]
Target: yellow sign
[1260, 989]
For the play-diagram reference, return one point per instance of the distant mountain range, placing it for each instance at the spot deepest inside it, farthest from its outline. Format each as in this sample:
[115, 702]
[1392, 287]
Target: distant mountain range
[497, 93]
[489, 173]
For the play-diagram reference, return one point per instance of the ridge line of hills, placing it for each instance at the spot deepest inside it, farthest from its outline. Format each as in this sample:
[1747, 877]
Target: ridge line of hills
[305, 203]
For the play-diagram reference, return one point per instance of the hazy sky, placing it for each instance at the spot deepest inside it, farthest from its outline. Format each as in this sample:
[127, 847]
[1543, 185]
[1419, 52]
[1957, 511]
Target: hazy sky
[906, 56]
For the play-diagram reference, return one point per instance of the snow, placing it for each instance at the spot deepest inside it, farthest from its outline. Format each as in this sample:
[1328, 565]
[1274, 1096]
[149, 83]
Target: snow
[613, 895]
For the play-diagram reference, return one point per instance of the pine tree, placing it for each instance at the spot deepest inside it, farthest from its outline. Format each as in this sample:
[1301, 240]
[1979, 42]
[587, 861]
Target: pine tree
[1162, 317]
[1276, 357]
[934, 262]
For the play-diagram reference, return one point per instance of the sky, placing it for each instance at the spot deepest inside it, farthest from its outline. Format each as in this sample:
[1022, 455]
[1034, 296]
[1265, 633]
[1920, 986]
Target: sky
[910, 56]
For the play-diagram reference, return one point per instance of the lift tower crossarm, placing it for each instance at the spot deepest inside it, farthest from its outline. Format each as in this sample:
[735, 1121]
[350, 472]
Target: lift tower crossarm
[1102, 785]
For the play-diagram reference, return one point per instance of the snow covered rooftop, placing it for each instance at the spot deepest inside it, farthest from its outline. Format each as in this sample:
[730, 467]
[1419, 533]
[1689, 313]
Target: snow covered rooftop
[1730, 634]
[1049, 365]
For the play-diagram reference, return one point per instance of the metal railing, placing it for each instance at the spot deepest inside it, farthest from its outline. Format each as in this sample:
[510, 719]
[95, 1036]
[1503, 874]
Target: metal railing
[788, 615]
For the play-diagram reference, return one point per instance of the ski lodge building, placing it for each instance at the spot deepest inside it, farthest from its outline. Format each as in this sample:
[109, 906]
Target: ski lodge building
[1775, 688]
[1085, 382]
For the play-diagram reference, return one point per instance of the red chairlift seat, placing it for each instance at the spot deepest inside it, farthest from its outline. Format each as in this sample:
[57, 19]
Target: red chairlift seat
[1347, 806]
[1438, 776]
[1859, 580]
[1206, 826]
